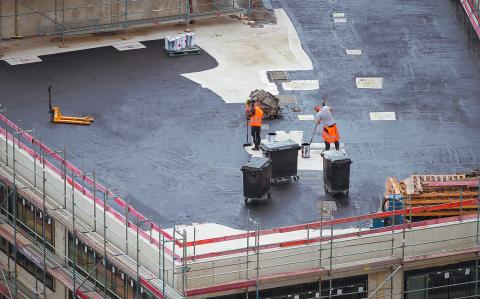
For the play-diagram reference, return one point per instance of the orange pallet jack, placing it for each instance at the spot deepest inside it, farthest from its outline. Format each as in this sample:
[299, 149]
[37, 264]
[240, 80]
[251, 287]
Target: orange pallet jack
[57, 117]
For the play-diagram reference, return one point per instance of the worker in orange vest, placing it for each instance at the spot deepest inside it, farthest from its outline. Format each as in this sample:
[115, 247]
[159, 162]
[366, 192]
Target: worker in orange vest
[330, 131]
[255, 116]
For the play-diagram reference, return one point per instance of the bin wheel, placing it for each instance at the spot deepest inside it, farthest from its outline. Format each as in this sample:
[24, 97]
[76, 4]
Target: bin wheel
[269, 194]
[296, 178]
[346, 193]
[246, 201]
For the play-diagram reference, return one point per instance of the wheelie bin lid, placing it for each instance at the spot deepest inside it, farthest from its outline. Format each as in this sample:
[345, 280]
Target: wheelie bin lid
[279, 146]
[256, 164]
[334, 155]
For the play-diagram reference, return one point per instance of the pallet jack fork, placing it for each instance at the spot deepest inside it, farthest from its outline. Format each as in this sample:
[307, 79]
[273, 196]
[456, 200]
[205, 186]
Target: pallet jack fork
[57, 117]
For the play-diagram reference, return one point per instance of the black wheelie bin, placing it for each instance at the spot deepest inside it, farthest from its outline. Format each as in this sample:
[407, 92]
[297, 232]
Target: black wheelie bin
[284, 157]
[257, 174]
[336, 172]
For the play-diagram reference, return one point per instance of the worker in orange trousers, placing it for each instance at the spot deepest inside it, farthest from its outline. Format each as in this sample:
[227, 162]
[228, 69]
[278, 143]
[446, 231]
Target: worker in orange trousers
[330, 131]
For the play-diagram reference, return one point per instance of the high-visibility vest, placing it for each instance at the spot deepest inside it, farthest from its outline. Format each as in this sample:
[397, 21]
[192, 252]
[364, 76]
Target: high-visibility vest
[256, 119]
[330, 134]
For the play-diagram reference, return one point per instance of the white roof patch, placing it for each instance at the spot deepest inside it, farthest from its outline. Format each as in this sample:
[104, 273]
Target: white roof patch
[382, 116]
[354, 52]
[301, 85]
[129, 46]
[306, 117]
[370, 82]
[22, 60]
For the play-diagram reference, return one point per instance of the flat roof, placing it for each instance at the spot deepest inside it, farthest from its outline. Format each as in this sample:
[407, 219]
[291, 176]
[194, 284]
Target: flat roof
[174, 149]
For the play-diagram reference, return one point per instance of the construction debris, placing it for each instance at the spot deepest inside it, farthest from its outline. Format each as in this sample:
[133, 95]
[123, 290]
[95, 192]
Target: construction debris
[269, 103]
[429, 190]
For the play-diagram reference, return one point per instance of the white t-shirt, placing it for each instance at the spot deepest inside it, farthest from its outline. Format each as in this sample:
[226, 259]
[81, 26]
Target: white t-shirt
[325, 116]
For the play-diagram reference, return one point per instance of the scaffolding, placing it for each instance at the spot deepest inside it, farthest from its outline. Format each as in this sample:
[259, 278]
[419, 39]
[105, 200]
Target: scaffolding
[184, 265]
[67, 213]
[472, 11]
[68, 17]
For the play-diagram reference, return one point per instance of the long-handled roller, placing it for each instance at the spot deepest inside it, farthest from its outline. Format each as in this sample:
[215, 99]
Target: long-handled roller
[314, 130]
[325, 98]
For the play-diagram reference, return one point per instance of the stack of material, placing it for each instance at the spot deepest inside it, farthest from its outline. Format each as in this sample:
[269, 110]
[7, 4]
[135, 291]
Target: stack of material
[268, 102]
[429, 190]
[180, 42]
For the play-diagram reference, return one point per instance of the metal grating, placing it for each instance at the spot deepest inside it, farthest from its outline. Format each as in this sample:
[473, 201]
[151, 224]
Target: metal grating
[278, 76]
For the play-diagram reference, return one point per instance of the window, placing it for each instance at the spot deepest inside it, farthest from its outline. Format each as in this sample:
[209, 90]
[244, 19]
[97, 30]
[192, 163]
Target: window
[30, 218]
[342, 288]
[438, 285]
[448, 282]
[27, 264]
[416, 285]
[119, 285]
[461, 282]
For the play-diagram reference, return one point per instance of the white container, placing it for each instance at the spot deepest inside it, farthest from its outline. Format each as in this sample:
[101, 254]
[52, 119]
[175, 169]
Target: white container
[166, 43]
[183, 40]
[169, 43]
[178, 43]
[190, 39]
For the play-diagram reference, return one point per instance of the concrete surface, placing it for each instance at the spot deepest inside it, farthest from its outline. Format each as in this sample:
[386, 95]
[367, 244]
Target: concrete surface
[46, 45]
[246, 54]
[38, 17]
[175, 149]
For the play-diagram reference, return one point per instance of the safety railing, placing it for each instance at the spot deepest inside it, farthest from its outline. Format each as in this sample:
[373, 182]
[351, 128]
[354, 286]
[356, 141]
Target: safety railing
[256, 259]
[72, 184]
[123, 14]
[475, 5]
[331, 251]
[87, 185]
[306, 228]
[472, 9]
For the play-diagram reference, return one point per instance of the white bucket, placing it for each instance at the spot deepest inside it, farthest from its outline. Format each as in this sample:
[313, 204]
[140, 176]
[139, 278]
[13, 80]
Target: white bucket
[271, 137]
[305, 150]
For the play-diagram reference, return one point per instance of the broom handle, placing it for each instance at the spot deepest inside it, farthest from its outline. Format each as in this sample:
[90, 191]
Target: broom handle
[247, 129]
[314, 130]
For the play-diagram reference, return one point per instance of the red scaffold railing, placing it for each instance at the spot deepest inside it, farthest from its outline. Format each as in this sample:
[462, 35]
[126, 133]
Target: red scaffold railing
[472, 9]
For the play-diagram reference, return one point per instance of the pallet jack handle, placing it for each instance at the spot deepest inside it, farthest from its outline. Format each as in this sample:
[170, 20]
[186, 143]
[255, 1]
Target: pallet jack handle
[50, 98]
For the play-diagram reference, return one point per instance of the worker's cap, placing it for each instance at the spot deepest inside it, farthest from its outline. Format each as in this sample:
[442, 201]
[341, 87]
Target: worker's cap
[317, 108]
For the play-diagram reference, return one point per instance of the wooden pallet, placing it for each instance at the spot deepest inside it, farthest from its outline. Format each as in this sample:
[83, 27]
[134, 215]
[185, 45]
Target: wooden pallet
[414, 184]
[392, 186]
[428, 190]
[444, 194]
[438, 214]
[189, 51]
